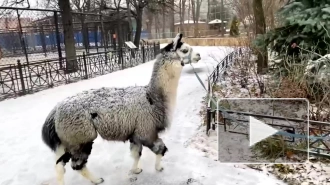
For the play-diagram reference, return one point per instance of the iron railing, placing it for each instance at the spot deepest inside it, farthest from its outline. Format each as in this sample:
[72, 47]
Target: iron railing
[221, 68]
[26, 78]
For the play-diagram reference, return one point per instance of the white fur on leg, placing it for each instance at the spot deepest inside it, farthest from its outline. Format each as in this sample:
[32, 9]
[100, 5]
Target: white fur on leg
[135, 154]
[158, 165]
[60, 170]
[88, 175]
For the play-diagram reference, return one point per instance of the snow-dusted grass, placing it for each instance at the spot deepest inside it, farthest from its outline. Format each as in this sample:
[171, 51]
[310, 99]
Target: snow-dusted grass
[25, 160]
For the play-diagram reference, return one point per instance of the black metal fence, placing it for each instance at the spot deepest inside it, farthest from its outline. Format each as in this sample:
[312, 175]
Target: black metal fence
[33, 34]
[319, 132]
[221, 67]
[25, 78]
[215, 77]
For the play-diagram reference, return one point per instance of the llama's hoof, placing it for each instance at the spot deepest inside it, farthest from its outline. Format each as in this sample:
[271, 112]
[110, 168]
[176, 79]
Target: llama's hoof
[137, 170]
[159, 168]
[99, 181]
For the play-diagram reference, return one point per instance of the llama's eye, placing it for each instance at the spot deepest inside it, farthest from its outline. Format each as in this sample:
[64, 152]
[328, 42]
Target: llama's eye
[184, 51]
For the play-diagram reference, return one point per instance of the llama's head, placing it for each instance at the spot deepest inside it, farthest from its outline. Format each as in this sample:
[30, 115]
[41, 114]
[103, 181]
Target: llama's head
[181, 51]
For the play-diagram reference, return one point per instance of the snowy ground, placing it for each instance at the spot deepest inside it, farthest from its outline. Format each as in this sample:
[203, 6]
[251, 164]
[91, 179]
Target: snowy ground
[25, 160]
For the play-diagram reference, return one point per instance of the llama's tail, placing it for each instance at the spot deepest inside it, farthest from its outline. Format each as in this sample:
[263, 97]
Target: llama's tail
[49, 135]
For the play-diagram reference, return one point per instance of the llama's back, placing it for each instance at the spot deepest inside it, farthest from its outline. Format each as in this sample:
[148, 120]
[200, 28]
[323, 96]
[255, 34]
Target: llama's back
[112, 112]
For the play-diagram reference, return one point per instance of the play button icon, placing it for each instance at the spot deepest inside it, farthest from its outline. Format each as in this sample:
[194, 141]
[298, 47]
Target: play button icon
[259, 131]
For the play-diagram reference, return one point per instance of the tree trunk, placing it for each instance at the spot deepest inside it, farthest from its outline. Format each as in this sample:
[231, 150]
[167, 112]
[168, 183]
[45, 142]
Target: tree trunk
[130, 27]
[119, 33]
[69, 42]
[172, 28]
[193, 12]
[262, 61]
[85, 33]
[138, 19]
[272, 16]
[164, 21]
[157, 26]
[222, 19]
[182, 15]
[198, 10]
[149, 23]
[208, 11]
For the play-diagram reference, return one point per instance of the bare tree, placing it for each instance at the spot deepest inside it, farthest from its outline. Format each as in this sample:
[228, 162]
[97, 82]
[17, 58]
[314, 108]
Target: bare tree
[82, 7]
[69, 42]
[171, 14]
[130, 26]
[196, 7]
[262, 61]
[119, 33]
[245, 13]
[138, 7]
[182, 12]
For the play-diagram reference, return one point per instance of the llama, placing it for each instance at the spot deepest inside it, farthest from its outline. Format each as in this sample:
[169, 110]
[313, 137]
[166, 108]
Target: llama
[135, 113]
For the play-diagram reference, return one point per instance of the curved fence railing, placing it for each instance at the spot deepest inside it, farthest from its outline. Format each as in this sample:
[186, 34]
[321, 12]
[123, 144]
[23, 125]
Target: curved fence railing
[213, 78]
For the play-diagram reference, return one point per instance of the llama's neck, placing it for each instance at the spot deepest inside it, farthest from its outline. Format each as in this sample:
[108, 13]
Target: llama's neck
[165, 82]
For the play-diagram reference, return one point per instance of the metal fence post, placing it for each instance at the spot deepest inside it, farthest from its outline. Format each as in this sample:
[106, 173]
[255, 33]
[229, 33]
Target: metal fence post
[21, 37]
[213, 78]
[154, 50]
[217, 73]
[20, 72]
[106, 57]
[213, 117]
[85, 65]
[143, 54]
[58, 40]
[208, 120]
[104, 37]
[121, 58]
[96, 38]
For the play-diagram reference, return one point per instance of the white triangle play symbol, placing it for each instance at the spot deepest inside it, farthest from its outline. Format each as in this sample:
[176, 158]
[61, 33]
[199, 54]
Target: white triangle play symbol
[259, 131]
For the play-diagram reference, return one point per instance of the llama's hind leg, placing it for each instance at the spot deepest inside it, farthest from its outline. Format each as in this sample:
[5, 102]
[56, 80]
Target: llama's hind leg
[136, 152]
[62, 158]
[159, 148]
[79, 161]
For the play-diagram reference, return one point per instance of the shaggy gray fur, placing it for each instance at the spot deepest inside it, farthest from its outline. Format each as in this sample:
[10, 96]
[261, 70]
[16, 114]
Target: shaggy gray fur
[137, 113]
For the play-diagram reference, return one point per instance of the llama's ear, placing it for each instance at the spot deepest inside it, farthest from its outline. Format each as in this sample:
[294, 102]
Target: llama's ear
[174, 44]
[176, 41]
[167, 48]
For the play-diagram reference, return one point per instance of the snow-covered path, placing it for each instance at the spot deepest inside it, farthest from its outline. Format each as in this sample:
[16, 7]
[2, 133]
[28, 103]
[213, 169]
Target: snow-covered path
[25, 160]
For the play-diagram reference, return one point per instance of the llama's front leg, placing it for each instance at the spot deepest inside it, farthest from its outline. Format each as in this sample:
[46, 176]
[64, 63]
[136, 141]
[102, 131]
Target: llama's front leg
[79, 161]
[136, 152]
[159, 148]
[88, 175]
